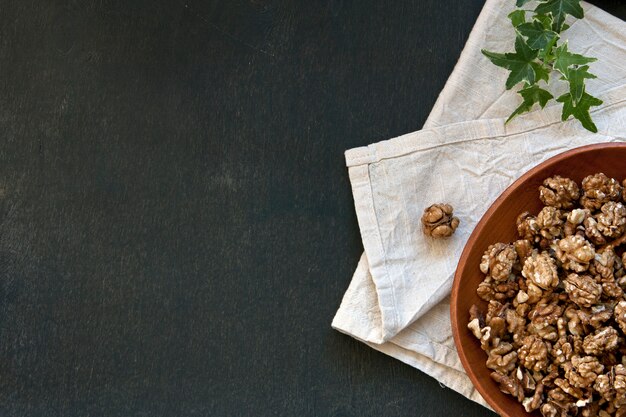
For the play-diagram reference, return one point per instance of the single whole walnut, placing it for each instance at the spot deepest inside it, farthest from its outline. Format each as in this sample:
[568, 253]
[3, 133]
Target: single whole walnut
[583, 371]
[502, 358]
[603, 340]
[603, 264]
[527, 226]
[533, 354]
[559, 192]
[544, 314]
[575, 253]
[592, 232]
[540, 268]
[612, 220]
[599, 189]
[438, 221]
[498, 261]
[582, 289]
[550, 222]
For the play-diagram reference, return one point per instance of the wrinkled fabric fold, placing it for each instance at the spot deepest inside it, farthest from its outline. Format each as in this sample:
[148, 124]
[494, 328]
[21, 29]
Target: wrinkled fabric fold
[397, 301]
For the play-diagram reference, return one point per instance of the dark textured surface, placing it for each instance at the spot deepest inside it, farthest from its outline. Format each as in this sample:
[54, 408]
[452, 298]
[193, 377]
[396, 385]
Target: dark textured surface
[176, 223]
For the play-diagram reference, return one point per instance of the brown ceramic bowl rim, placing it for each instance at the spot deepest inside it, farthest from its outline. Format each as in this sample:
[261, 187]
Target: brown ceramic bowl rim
[472, 241]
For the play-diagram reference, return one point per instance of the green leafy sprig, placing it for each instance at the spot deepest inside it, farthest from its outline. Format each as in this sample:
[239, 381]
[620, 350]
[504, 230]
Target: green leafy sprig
[538, 53]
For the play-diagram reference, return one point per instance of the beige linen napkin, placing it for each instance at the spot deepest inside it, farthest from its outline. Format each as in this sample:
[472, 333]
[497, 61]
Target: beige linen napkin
[397, 301]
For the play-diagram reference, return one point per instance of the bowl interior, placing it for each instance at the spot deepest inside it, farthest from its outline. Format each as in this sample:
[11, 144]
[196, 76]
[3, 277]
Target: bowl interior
[498, 225]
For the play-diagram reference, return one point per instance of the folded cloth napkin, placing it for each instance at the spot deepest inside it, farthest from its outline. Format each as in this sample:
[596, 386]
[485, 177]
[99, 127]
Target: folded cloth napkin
[397, 301]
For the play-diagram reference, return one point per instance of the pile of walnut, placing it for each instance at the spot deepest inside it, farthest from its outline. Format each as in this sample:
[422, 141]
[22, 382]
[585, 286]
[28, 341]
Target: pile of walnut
[555, 326]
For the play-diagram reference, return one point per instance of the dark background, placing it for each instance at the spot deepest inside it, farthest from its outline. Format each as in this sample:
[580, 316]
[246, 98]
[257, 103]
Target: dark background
[176, 222]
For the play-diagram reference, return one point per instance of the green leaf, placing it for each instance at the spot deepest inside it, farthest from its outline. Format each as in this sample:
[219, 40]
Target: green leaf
[537, 36]
[545, 54]
[541, 72]
[519, 63]
[559, 9]
[563, 59]
[580, 111]
[517, 17]
[537, 54]
[545, 19]
[576, 78]
[531, 95]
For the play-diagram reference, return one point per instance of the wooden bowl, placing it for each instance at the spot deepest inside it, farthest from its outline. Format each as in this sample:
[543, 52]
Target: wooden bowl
[498, 225]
